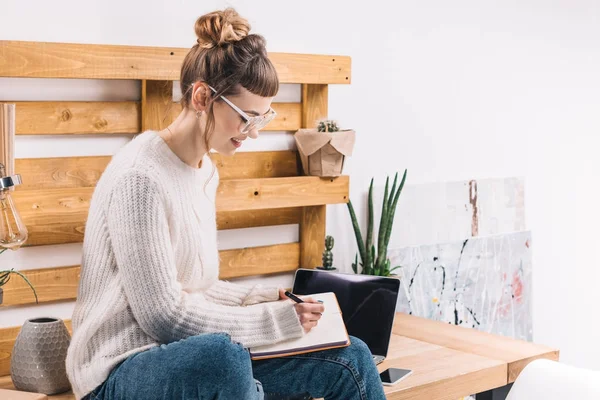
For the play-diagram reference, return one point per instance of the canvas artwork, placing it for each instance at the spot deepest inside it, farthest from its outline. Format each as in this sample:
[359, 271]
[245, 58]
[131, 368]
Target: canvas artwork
[482, 282]
[446, 211]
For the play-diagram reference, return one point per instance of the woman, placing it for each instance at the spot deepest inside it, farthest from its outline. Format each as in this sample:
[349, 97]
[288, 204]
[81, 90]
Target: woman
[152, 320]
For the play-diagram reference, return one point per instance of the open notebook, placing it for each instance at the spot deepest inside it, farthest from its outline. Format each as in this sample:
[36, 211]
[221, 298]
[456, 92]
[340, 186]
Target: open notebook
[329, 333]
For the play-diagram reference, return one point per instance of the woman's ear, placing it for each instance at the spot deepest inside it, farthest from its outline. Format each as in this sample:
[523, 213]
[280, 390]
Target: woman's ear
[201, 94]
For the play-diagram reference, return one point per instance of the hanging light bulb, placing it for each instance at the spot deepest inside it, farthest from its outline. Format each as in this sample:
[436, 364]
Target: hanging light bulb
[13, 232]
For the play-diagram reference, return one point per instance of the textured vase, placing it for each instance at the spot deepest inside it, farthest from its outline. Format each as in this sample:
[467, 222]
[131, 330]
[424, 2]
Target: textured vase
[38, 358]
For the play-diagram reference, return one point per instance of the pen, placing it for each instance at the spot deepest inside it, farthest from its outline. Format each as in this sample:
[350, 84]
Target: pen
[295, 298]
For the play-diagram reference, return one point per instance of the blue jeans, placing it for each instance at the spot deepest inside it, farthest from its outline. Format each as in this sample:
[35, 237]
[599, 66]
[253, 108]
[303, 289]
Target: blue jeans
[211, 366]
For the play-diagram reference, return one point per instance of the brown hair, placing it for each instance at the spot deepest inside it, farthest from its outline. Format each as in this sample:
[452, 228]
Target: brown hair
[226, 57]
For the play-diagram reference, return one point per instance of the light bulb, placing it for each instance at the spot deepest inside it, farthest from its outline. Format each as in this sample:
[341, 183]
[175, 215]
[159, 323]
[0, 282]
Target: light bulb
[13, 232]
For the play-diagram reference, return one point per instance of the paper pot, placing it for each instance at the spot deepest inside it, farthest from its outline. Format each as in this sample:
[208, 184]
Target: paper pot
[323, 153]
[38, 358]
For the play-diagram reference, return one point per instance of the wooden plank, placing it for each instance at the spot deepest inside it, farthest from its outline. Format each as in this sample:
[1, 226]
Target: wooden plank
[312, 236]
[115, 117]
[51, 284]
[258, 218]
[71, 60]
[58, 216]
[256, 194]
[77, 117]
[287, 119]
[438, 372]
[314, 104]
[54, 216]
[313, 221]
[73, 172]
[259, 260]
[252, 165]
[516, 353]
[157, 101]
[13, 394]
[60, 283]
[7, 341]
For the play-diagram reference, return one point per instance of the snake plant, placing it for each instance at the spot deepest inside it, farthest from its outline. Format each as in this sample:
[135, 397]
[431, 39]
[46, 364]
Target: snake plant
[373, 259]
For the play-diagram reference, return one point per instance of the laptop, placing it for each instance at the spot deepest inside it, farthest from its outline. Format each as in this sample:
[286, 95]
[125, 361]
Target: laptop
[368, 303]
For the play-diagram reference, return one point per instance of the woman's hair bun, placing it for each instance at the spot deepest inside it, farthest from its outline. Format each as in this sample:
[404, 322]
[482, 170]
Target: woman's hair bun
[221, 27]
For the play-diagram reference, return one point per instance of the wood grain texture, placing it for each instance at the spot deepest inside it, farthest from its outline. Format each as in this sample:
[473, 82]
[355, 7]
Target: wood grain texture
[77, 117]
[439, 372]
[60, 283]
[259, 164]
[70, 60]
[58, 216]
[313, 221]
[312, 236]
[9, 393]
[256, 194]
[516, 353]
[51, 284]
[157, 101]
[287, 119]
[258, 218]
[118, 117]
[74, 172]
[314, 104]
[259, 260]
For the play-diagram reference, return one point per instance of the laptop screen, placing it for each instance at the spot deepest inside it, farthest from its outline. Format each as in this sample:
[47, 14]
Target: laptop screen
[368, 303]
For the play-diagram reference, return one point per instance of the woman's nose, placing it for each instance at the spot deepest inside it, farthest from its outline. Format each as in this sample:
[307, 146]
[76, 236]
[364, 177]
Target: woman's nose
[253, 134]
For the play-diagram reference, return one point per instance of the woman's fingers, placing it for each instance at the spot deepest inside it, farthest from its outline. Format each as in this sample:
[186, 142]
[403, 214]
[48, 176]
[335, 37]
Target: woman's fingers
[310, 307]
[309, 313]
[309, 325]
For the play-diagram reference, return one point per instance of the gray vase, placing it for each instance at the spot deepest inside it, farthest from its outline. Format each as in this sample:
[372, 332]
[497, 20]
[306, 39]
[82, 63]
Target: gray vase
[1, 295]
[38, 358]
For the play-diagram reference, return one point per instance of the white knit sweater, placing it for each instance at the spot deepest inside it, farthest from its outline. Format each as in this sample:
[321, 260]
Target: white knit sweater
[150, 267]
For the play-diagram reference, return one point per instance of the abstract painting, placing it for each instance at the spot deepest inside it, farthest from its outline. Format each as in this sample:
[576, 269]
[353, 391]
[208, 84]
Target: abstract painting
[447, 211]
[481, 282]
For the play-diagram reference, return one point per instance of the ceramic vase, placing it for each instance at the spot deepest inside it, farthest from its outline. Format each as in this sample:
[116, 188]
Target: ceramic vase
[38, 358]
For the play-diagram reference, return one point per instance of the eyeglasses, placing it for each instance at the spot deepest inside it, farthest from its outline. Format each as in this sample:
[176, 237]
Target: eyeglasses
[252, 122]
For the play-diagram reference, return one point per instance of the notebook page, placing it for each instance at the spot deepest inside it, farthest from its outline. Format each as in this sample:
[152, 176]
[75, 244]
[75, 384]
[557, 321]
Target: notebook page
[330, 331]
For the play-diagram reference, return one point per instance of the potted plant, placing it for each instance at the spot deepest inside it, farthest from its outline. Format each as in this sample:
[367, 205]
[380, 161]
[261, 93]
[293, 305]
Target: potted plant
[374, 260]
[323, 150]
[328, 255]
[5, 277]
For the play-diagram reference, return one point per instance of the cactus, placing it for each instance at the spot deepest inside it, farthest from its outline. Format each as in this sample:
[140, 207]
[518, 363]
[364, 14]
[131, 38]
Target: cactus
[328, 126]
[327, 254]
[373, 258]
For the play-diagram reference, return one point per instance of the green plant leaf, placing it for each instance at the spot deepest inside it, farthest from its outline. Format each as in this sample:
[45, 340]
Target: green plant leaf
[354, 264]
[395, 268]
[396, 196]
[371, 218]
[359, 239]
[382, 224]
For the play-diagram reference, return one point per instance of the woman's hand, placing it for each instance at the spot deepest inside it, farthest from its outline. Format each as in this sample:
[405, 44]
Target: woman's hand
[309, 312]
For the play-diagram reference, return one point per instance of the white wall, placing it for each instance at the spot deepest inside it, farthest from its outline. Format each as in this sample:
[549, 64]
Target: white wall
[450, 90]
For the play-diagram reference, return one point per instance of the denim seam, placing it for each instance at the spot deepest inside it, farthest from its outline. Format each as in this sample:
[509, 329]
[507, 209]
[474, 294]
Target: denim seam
[345, 363]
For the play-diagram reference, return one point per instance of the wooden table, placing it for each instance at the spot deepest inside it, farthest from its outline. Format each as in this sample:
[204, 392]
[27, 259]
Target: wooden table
[448, 361]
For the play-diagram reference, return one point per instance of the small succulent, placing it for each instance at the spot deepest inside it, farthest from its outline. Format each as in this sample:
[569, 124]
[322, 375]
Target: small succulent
[5, 277]
[328, 126]
[327, 254]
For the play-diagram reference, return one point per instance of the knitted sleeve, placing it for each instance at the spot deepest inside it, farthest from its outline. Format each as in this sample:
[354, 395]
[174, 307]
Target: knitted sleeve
[139, 233]
[232, 294]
